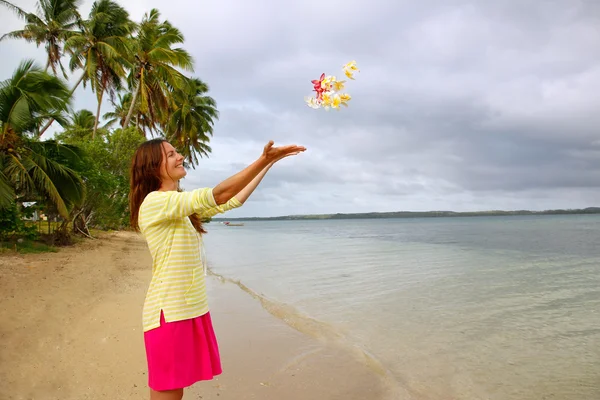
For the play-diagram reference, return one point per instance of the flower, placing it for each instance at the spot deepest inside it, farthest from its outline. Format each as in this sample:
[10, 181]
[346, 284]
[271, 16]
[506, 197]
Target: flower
[338, 85]
[318, 85]
[345, 98]
[349, 69]
[317, 82]
[327, 100]
[328, 82]
[312, 102]
[336, 101]
[328, 89]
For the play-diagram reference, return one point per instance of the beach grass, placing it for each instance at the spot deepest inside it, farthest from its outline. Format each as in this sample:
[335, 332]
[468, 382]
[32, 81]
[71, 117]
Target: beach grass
[25, 246]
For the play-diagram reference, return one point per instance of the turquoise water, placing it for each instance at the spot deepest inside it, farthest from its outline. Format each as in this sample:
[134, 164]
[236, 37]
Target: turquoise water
[454, 308]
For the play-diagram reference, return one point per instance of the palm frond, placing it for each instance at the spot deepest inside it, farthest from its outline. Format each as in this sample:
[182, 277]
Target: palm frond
[54, 179]
[15, 169]
[17, 10]
[7, 193]
[20, 34]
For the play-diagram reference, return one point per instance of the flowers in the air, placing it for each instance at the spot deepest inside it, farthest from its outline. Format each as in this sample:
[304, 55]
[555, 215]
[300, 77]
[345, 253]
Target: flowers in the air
[350, 68]
[328, 88]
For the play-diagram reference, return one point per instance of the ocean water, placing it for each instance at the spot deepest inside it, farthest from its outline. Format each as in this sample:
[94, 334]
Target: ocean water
[492, 308]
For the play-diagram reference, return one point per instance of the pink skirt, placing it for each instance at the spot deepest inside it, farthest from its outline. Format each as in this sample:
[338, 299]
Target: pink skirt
[181, 353]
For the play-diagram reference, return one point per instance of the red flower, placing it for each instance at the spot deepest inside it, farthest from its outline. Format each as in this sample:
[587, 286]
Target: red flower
[317, 86]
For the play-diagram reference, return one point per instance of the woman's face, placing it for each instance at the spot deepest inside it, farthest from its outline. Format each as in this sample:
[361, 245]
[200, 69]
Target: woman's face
[171, 168]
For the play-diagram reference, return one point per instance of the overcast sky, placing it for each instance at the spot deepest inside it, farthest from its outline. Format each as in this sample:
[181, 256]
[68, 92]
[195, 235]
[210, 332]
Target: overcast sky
[459, 105]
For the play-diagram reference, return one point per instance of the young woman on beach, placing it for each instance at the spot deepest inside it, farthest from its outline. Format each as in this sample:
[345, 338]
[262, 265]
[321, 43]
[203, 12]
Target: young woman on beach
[181, 347]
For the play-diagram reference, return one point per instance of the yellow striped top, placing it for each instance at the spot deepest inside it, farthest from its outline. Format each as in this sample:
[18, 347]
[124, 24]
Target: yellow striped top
[178, 277]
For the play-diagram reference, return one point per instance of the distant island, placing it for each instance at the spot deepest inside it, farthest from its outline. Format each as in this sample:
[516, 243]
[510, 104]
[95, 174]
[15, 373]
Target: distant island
[415, 214]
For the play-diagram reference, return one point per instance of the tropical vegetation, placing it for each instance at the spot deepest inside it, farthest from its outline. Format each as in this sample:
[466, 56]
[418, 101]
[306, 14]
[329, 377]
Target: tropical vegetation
[75, 175]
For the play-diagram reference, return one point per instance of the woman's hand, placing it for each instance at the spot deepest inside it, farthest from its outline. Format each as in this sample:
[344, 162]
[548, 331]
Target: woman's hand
[274, 154]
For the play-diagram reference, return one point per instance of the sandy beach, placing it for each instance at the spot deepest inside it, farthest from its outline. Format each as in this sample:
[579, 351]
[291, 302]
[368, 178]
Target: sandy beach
[72, 330]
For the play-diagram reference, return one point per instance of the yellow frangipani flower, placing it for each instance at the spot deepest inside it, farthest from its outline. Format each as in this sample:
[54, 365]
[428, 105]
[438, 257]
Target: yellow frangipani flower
[327, 82]
[327, 100]
[345, 98]
[337, 100]
[350, 68]
[338, 85]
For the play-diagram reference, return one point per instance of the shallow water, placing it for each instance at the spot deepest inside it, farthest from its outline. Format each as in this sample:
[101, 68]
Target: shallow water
[454, 308]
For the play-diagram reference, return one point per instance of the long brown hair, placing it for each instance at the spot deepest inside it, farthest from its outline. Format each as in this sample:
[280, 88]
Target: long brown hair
[145, 178]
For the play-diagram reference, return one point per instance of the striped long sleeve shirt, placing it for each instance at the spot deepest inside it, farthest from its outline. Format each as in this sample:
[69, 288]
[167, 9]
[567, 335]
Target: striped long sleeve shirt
[178, 285]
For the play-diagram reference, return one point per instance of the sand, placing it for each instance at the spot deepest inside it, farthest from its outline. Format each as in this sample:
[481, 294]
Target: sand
[71, 329]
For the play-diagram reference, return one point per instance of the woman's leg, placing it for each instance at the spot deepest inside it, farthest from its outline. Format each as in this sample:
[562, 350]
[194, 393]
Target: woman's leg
[176, 394]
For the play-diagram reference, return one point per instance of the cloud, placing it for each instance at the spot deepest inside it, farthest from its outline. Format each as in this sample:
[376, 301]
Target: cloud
[459, 104]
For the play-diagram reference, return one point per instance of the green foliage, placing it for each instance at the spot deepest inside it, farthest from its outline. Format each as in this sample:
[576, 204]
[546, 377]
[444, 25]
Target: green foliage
[28, 167]
[12, 225]
[101, 49]
[191, 120]
[122, 144]
[28, 98]
[154, 72]
[81, 177]
[54, 22]
[105, 170]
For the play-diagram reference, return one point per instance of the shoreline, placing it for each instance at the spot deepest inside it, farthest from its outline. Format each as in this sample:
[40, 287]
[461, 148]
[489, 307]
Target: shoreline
[417, 215]
[73, 331]
[319, 331]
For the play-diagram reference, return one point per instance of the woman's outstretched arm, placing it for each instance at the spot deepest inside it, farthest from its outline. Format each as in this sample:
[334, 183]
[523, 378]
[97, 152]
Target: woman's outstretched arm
[244, 182]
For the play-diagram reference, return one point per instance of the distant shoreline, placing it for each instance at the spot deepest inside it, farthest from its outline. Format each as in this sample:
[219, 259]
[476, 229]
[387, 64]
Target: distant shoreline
[414, 214]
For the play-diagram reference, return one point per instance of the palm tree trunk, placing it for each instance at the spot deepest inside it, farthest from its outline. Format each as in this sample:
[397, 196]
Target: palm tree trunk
[132, 106]
[98, 112]
[77, 84]
[71, 94]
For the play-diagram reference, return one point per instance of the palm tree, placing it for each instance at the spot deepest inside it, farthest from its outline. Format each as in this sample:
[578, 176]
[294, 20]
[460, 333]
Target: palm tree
[54, 23]
[154, 71]
[191, 120]
[82, 120]
[80, 125]
[101, 48]
[120, 111]
[27, 166]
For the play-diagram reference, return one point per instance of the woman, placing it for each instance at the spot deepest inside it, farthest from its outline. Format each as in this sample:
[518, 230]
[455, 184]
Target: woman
[181, 347]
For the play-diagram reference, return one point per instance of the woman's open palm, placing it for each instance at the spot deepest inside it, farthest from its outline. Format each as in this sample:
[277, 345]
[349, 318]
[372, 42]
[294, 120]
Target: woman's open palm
[274, 154]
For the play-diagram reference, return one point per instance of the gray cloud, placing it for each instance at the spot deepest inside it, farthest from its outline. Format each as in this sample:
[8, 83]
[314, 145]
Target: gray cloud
[459, 104]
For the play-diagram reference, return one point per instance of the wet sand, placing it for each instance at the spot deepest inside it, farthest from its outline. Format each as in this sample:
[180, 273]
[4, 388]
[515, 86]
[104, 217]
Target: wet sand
[72, 330]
